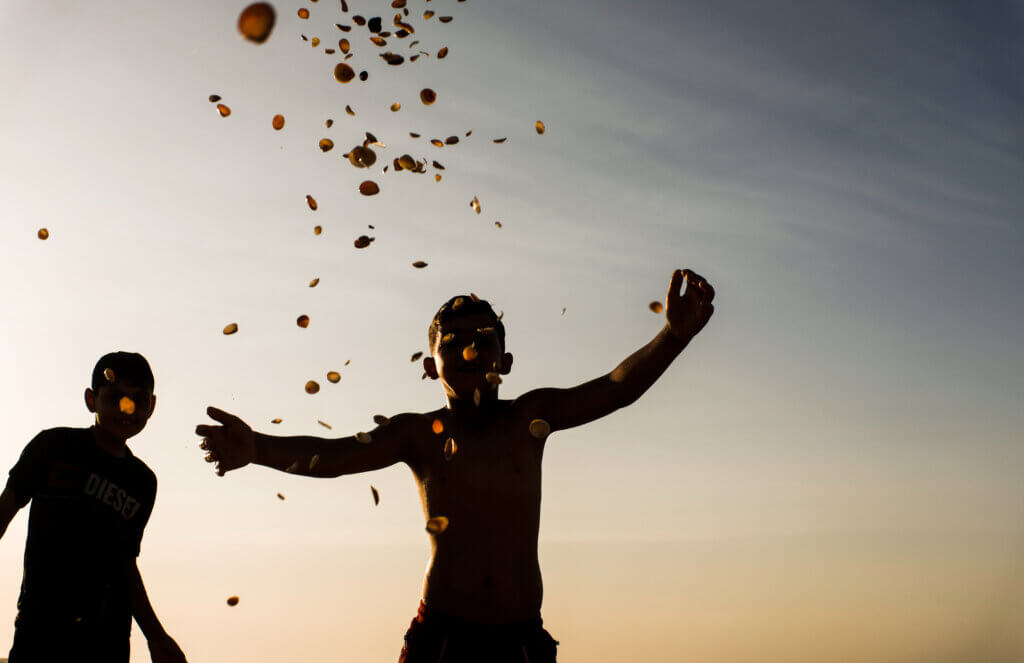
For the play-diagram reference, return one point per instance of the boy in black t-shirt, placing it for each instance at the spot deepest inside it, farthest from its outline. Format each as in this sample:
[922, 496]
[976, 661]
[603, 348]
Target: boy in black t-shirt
[91, 498]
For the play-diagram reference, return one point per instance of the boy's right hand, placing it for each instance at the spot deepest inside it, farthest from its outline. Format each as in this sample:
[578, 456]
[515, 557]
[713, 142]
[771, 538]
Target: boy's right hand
[231, 445]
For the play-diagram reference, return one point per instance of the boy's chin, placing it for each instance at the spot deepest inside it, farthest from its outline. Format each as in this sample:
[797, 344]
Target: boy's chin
[120, 430]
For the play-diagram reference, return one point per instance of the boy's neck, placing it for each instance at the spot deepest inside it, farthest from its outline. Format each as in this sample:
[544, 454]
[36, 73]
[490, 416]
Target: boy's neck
[113, 445]
[466, 409]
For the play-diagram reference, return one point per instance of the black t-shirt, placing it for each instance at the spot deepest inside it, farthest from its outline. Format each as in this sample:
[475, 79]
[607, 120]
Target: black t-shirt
[89, 509]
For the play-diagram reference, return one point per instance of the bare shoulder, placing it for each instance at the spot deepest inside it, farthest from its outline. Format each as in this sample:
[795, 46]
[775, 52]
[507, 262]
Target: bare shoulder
[418, 429]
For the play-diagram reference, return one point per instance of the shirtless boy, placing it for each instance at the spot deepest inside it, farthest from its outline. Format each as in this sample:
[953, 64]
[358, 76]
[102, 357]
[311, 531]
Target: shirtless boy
[477, 463]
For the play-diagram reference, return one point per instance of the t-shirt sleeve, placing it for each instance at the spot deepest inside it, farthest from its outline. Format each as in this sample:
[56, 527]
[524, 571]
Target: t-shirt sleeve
[29, 472]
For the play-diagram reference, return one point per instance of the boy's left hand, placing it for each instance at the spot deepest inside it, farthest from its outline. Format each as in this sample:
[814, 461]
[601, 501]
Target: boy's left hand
[164, 649]
[688, 313]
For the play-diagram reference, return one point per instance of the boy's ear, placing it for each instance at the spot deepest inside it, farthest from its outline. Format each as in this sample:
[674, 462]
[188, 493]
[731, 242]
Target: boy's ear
[506, 363]
[90, 399]
[430, 367]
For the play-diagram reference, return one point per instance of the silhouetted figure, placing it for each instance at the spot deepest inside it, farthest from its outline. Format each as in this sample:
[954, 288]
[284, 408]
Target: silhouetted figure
[91, 498]
[477, 463]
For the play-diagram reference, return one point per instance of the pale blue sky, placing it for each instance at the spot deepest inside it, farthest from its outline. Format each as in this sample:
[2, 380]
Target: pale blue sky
[846, 174]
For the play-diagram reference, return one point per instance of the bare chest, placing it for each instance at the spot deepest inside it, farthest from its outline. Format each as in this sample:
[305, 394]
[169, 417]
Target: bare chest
[495, 470]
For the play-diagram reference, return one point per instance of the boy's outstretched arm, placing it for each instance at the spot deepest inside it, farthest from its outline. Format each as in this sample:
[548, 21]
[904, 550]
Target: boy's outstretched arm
[233, 444]
[686, 315]
[162, 647]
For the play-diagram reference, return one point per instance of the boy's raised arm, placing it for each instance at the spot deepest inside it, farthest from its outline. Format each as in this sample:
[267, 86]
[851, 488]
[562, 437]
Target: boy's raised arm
[234, 444]
[686, 315]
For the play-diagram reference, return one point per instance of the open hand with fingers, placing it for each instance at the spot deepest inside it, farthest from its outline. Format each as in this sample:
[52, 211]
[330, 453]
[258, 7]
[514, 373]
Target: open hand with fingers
[230, 445]
[687, 313]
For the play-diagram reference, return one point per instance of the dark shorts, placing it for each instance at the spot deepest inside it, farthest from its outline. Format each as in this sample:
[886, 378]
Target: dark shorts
[434, 637]
[57, 645]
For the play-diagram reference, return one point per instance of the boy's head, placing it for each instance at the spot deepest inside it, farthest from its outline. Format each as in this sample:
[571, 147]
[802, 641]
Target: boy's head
[467, 341]
[121, 394]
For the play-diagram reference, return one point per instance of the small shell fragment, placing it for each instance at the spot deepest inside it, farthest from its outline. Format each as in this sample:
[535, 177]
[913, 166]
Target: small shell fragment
[500, 140]
[381, 420]
[303, 13]
[437, 524]
[343, 73]
[395, 107]
[450, 448]
[416, 356]
[540, 127]
[437, 427]
[363, 438]
[451, 140]
[348, 109]
[469, 353]
[230, 329]
[311, 201]
[314, 42]
[293, 468]
[314, 282]
[214, 98]
[223, 110]
[369, 188]
[326, 144]
[497, 223]
[375, 495]
[343, 45]
[43, 234]
[256, 22]
[315, 458]
[333, 377]
[363, 241]
[427, 96]
[280, 497]
[275, 421]
[475, 204]
[448, 338]
[277, 122]
[126, 405]
[312, 387]
[324, 424]
[493, 378]
[540, 429]
[317, 230]
[476, 397]
[108, 374]
[441, 54]
[361, 156]
[419, 264]
[302, 321]
[233, 600]
[656, 307]
[329, 123]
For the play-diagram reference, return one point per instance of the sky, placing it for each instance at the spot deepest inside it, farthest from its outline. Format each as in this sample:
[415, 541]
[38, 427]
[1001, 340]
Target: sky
[830, 471]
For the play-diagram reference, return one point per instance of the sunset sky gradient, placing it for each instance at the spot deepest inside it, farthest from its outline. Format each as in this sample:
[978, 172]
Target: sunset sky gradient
[830, 472]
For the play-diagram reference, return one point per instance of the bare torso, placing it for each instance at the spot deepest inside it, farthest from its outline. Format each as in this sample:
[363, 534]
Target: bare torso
[484, 566]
